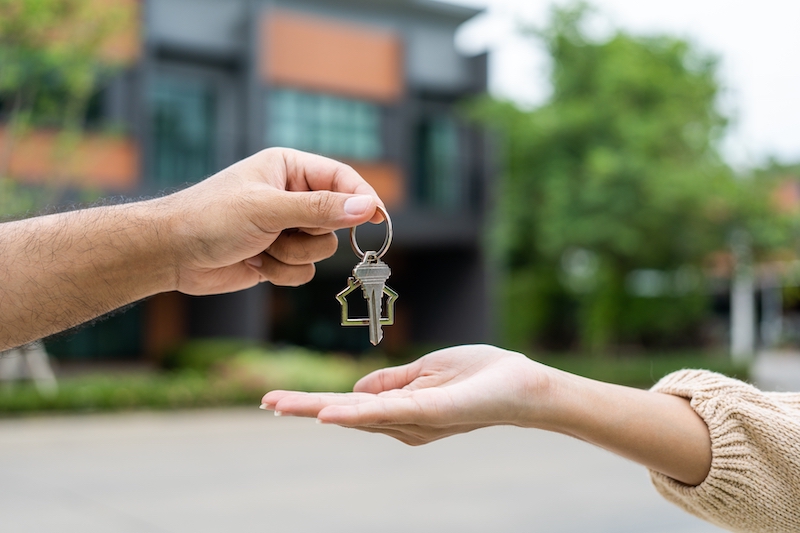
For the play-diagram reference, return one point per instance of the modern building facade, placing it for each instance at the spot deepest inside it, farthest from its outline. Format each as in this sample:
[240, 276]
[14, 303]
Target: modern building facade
[374, 83]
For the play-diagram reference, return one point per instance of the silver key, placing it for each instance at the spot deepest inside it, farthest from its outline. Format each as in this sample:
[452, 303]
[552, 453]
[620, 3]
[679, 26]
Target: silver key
[372, 274]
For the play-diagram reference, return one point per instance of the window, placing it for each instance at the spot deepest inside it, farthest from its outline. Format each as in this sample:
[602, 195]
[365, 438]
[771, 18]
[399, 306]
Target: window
[438, 182]
[324, 124]
[182, 118]
[115, 337]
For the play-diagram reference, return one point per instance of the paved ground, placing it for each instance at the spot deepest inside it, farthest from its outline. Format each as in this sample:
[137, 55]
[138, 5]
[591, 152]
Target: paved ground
[245, 470]
[777, 371]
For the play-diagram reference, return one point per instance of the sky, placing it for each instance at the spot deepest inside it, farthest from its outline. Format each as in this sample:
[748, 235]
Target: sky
[758, 43]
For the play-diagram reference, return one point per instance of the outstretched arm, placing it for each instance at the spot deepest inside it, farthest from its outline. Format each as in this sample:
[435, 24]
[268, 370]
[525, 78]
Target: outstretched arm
[464, 388]
[224, 234]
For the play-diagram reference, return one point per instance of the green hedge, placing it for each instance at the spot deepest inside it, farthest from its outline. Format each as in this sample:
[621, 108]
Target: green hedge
[223, 373]
[641, 370]
[111, 392]
[204, 374]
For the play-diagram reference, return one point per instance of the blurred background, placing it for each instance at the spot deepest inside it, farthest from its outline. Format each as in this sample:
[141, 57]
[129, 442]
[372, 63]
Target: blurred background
[595, 186]
[611, 188]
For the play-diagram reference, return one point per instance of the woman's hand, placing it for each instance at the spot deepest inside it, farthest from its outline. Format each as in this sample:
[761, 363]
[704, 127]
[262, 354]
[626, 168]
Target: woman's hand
[450, 391]
[468, 387]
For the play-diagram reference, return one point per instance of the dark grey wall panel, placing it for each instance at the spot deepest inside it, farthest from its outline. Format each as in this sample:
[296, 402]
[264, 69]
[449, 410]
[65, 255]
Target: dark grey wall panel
[432, 61]
[216, 25]
[242, 314]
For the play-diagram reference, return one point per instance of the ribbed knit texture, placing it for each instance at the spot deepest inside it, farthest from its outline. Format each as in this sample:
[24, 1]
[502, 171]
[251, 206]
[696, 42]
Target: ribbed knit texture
[754, 482]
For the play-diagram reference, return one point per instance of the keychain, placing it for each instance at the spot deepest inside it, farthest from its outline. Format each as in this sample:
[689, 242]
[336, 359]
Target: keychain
[371, 274]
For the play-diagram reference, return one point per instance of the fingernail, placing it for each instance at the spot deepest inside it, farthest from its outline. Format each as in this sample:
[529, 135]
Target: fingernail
[356, 205]
[278, 413]
[320, 421]
[255, 262]
[263, 407]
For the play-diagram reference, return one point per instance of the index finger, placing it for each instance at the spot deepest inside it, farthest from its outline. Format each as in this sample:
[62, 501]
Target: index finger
[311, 404]
[379, 412]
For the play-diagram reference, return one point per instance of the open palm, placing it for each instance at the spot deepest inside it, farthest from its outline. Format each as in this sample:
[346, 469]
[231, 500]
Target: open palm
[450, 391]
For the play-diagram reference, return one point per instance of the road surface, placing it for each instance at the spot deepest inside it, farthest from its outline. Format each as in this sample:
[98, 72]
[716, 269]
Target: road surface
[245, 470]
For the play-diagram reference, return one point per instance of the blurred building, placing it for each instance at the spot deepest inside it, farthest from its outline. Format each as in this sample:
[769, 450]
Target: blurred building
[375, 83]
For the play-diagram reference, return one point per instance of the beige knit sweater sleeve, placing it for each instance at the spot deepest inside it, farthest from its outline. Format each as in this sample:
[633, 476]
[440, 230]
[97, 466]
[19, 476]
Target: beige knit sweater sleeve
[754, 482]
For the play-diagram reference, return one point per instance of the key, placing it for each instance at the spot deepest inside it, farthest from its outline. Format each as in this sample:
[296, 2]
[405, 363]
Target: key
[372, 274]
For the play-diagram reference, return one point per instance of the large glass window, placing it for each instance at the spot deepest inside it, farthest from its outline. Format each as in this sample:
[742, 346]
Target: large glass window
[324, 124]
[438, 182]
[182, 147]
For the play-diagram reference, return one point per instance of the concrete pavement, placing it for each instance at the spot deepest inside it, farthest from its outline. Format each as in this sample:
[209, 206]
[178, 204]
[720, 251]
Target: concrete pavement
[777, 371]
[245, 470]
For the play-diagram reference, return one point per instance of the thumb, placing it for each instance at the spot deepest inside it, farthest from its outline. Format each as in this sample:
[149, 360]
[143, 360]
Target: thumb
[321, 209]
[387, 379]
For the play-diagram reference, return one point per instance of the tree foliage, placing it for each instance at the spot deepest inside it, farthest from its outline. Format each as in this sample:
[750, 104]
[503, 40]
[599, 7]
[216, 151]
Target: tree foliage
[615, 180]
[55, 48]
[52, 54]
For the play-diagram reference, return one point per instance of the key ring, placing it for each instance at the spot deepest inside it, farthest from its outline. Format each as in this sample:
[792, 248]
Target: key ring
[389, 234]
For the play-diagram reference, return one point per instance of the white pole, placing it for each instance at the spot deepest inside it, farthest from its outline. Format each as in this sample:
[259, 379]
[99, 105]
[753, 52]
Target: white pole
[743, 320]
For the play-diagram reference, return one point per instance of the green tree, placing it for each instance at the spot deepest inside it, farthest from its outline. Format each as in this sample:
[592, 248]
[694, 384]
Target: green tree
[51, 58]
[616, 175]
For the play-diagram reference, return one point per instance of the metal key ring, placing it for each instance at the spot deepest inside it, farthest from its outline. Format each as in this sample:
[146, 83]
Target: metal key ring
[389, 234]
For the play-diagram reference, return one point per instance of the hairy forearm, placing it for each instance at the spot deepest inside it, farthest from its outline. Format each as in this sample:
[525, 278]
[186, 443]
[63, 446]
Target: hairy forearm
[659, 431]
[58, 271]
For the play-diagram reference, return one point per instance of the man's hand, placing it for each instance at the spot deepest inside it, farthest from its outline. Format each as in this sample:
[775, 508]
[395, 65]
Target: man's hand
[450, 391]
[269, 217]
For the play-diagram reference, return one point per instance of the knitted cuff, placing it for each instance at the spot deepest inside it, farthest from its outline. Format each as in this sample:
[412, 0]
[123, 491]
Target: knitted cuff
[754, 481]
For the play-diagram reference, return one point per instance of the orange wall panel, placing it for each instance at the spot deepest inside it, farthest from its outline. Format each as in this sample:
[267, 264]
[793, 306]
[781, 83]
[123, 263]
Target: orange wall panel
[387, 180]
[104, 162]
[318, 54]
